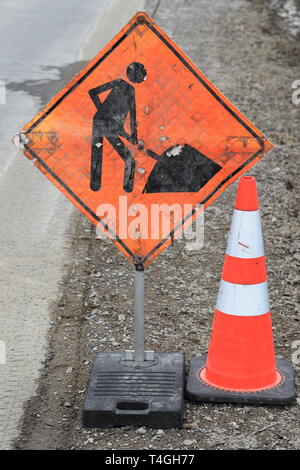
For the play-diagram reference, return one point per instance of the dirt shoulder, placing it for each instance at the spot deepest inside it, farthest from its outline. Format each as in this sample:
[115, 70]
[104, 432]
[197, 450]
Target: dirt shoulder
[254, 64]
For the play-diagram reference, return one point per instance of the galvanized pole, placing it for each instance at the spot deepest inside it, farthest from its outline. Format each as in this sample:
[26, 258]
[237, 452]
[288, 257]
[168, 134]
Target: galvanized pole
[139, 291]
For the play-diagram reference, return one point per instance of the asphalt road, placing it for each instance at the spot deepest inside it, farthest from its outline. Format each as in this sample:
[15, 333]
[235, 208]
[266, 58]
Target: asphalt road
[42, 44]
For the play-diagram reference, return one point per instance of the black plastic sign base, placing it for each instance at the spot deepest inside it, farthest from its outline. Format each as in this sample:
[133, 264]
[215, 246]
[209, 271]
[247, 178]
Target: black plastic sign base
[282, 394]
[122, 393]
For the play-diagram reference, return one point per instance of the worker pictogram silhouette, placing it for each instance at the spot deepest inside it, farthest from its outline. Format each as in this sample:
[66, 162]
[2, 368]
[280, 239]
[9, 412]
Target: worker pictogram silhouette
[109, 122]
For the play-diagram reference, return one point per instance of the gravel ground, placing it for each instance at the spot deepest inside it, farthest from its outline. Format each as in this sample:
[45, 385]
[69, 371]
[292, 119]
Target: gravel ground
[238, 45]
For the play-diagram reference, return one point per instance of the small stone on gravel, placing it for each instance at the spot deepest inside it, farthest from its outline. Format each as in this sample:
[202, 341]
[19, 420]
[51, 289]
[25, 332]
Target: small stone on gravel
[189, 442]
[141, 430]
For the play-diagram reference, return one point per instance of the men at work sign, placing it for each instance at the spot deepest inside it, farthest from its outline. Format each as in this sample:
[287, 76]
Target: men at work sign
[141, 134]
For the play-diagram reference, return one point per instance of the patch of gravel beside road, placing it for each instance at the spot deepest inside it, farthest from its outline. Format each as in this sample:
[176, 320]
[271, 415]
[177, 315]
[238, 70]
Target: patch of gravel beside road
[240, 49]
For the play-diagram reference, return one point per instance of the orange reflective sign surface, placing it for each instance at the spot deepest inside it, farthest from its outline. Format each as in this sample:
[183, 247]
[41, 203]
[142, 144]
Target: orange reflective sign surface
[140, 130]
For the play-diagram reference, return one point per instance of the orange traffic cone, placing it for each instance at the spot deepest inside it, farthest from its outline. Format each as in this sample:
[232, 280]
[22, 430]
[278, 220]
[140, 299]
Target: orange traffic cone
[241, 365]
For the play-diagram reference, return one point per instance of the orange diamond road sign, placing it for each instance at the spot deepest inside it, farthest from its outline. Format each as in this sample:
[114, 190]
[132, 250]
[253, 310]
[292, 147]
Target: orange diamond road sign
[138, 131]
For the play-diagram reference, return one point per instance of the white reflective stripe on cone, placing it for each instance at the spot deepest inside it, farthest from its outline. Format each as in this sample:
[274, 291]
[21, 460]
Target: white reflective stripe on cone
[243, 300]
[245, 237]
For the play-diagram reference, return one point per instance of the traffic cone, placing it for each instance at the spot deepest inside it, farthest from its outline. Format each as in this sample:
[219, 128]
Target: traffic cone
[241, 366]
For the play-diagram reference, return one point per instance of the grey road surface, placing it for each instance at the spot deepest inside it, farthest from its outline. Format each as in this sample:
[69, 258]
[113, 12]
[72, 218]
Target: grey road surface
[41, 44]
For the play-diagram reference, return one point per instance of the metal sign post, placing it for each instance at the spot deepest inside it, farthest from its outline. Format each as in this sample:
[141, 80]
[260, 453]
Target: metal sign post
[139, 355]
[139, 298]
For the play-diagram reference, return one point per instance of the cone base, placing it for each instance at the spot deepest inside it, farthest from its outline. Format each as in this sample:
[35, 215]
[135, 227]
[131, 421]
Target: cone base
[281, 394]
[202, 376]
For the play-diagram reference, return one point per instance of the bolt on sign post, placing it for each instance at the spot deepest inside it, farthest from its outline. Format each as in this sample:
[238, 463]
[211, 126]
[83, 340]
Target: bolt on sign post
[138, 129]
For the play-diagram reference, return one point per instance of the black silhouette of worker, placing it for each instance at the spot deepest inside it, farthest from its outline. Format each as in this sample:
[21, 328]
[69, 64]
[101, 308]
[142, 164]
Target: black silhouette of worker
[109, 122]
